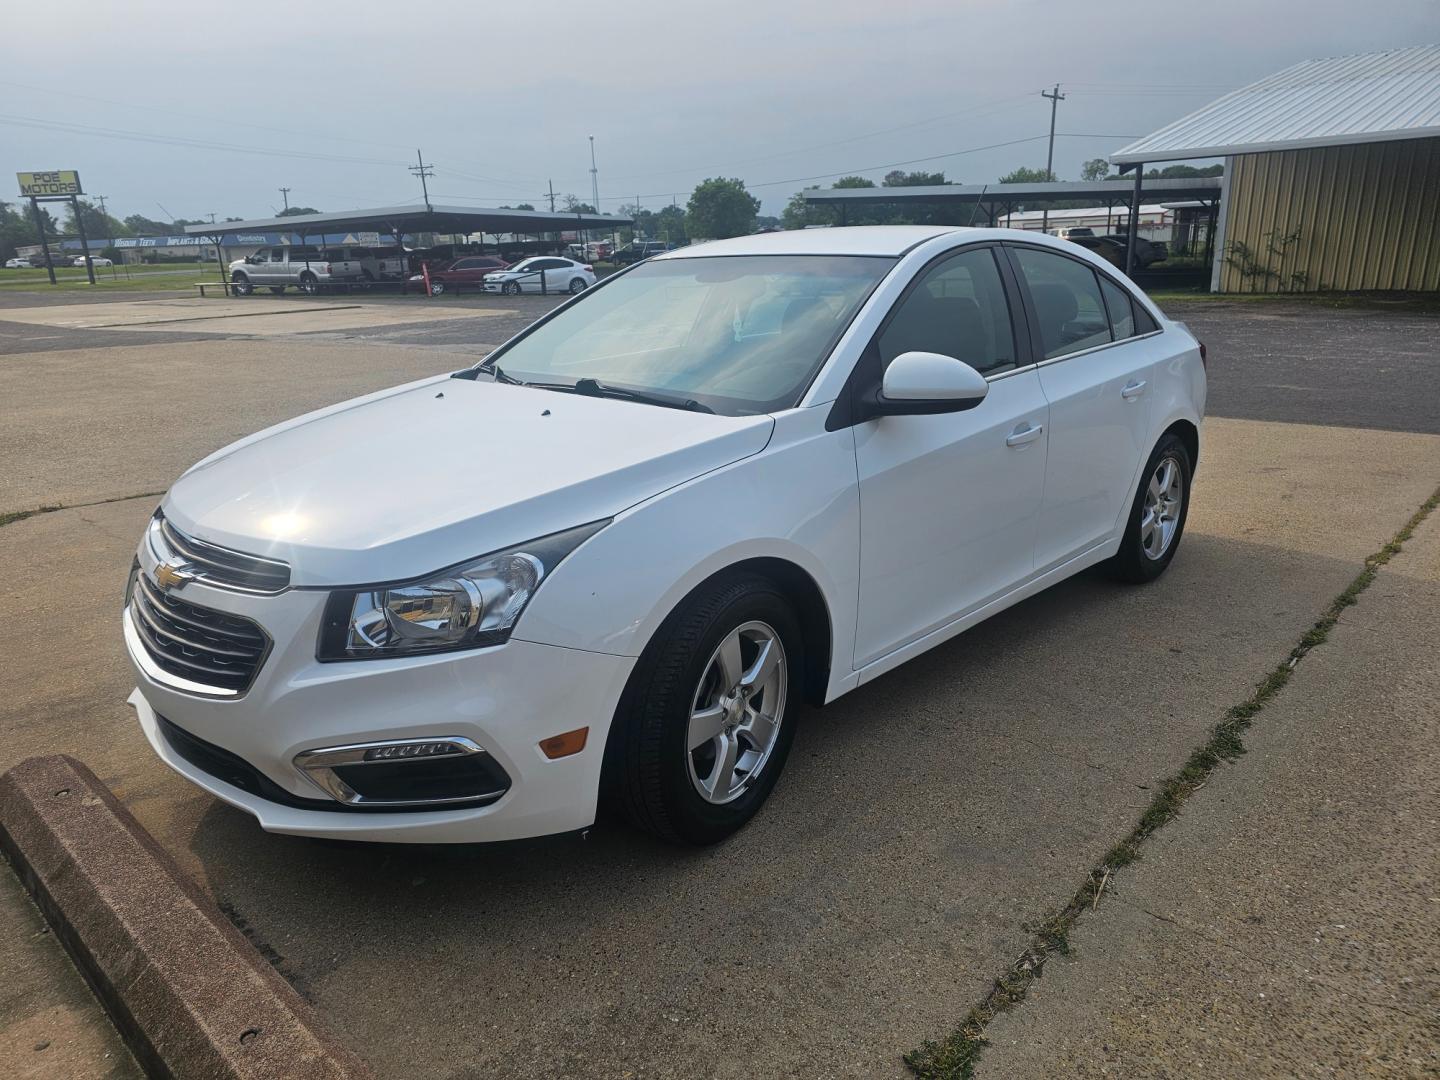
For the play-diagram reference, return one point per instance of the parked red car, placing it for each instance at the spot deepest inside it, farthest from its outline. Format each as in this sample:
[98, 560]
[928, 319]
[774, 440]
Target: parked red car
[466, 272]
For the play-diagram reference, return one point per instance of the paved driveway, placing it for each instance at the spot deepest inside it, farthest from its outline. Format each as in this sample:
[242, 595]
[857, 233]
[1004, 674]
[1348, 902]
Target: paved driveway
[923, 820]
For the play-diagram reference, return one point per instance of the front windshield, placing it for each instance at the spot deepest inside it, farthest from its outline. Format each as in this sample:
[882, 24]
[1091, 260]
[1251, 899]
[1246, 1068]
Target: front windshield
[739, 334]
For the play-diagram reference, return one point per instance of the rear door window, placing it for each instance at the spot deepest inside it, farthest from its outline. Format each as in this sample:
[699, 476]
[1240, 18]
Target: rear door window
[1069, 311]
[1122, 310]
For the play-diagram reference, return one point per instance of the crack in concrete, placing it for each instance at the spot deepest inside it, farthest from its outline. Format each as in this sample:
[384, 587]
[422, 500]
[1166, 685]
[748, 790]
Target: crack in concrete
[10, 517]
[955, 1056]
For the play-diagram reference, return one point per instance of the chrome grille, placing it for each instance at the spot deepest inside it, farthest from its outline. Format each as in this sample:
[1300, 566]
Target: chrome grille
[196, 643]
[221, 566]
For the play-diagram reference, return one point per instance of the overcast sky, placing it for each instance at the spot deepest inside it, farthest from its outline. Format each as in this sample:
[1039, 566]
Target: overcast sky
[332, 99]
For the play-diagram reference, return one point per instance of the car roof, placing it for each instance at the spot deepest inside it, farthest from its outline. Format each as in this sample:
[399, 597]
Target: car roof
[890, 240]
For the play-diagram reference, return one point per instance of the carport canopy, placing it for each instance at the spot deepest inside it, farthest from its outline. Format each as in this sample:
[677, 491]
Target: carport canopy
[419, 218]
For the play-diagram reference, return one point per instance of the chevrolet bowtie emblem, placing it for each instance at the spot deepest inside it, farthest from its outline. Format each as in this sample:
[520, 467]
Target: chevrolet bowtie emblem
[172, 576]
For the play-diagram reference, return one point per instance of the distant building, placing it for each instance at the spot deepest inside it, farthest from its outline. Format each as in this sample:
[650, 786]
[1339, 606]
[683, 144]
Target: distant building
[1332, 174]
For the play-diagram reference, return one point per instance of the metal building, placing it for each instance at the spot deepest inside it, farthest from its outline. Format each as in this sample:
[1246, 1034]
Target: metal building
[1332, 174]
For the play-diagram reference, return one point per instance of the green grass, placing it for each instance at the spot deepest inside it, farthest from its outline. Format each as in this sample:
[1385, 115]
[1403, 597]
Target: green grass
[955, 1056]
[148, 279]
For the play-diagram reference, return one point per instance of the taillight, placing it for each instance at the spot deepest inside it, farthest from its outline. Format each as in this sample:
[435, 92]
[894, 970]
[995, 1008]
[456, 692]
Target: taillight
[329, 269]
[589, 269]
[1204, 358]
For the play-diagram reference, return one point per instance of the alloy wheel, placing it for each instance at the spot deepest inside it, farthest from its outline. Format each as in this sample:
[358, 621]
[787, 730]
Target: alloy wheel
[736, 713]
[1160, 517]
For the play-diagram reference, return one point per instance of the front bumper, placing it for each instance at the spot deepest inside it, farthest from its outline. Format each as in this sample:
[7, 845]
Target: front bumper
[506, 699]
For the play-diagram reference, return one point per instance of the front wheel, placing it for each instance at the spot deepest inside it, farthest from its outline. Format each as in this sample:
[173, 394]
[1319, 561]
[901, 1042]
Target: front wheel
[436, 288]
[705, 725]
[577, 285]
[1157, 516]
[241, 284]
[511, 288]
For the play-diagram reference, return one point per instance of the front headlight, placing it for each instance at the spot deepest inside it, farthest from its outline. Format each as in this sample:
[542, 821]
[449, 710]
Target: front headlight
[465, 607]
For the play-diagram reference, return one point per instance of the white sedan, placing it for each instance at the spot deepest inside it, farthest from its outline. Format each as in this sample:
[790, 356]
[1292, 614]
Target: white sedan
[545, 273]
[95, 260]
[19, 264]
[618, 553]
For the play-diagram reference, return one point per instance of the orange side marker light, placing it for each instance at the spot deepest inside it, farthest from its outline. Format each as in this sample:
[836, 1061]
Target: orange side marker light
[571, 742]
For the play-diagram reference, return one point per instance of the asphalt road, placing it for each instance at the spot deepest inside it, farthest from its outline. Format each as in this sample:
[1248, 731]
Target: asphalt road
[922, 823]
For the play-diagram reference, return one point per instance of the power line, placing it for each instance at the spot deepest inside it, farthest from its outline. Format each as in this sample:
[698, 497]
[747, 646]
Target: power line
[983, 109]
[175, 140]
[209, 120]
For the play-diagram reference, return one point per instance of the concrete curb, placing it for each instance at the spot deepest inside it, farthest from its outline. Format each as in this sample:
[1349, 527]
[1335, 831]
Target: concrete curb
[190, 996]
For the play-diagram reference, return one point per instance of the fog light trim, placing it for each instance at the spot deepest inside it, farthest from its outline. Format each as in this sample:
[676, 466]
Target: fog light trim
[319, 765]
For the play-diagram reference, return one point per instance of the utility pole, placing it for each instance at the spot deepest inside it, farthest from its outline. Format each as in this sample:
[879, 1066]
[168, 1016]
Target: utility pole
[285, 194]
[594, 178]
[212, 217]
[552, 195]
[1055, 98]
[422, 170]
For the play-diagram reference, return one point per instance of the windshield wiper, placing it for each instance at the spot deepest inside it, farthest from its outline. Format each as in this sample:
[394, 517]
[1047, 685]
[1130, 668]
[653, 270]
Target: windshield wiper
[595, 388]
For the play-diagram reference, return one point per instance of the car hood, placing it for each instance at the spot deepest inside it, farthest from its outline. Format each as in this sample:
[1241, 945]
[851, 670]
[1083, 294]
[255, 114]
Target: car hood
[415, 479]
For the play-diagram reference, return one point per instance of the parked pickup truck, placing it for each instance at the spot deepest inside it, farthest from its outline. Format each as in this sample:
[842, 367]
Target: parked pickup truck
[309, 269]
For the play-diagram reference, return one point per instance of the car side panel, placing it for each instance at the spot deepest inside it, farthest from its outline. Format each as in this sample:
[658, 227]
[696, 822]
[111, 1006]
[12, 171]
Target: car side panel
[797, 500]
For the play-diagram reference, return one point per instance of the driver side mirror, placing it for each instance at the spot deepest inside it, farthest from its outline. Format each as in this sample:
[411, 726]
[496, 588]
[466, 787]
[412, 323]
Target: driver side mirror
[923, 383]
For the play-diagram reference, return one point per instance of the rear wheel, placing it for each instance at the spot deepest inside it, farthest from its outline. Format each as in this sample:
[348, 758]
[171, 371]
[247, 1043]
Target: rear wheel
[1157, 516]
[309, 283]
[241, 283]
[702, 730]
[577, 285]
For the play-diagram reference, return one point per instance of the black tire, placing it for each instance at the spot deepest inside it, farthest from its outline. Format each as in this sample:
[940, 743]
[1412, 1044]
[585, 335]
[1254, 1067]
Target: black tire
[241, 283]
[436, 288]
[368, 277]
[648, 769]
[511, 288]
[309, 283]
[277, 289]
[1133, 563]
[577, 286]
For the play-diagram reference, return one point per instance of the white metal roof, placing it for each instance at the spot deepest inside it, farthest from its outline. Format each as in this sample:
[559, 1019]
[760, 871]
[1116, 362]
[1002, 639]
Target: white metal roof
[841, 240]
[1370, 97]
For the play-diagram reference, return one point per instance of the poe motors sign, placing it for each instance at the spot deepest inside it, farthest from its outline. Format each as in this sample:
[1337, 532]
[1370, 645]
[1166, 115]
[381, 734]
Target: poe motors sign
[57, 183]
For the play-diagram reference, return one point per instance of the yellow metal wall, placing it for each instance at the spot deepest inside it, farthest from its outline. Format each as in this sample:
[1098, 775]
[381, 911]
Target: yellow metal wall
[1364, 217]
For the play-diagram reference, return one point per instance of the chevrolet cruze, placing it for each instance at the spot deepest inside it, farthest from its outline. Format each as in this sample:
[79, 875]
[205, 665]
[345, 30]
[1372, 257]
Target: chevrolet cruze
[614, 558]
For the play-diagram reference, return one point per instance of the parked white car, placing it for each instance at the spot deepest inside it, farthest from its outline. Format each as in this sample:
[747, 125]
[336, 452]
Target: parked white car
[19, 264]
[95, 260]
[543, 273]
[614, 556]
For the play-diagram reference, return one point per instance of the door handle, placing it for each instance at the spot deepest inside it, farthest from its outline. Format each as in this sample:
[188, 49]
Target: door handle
[1133, 390]
[1025, 436]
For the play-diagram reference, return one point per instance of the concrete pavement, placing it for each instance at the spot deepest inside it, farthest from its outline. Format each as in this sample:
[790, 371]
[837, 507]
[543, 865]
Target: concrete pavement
[1288, 922]
[923, 820]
